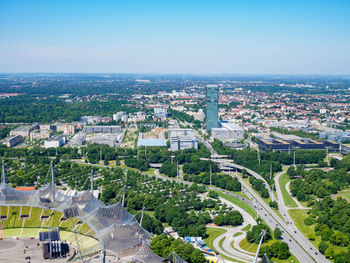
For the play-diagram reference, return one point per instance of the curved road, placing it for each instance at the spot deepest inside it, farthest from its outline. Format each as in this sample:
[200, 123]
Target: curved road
[298, 244]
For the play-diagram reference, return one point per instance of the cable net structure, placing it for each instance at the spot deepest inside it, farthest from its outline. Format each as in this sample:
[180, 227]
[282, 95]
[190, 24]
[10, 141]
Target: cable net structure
[117, 230]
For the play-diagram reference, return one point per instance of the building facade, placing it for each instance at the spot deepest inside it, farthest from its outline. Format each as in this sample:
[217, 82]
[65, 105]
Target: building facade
[228, 132]
[10, 142]
[212, 97]
[55, 142]
[181, 139]
[102, 129]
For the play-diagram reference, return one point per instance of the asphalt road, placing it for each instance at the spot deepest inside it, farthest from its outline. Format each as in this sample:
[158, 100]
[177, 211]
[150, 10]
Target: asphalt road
[298, 244]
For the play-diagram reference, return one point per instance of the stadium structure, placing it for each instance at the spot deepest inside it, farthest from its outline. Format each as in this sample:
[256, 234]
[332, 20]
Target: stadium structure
[118, 232]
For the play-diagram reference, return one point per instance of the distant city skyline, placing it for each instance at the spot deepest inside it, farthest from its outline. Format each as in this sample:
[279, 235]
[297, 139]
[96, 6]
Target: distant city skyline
[184, 37]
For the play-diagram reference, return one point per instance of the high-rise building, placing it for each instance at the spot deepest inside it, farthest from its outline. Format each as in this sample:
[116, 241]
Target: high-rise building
[212, 95]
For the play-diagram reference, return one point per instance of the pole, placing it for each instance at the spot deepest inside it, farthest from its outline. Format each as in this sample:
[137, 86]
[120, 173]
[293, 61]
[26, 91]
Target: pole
[92, 181]
[76, 239]
[143, 212]
[177, 171]
[259, 246]
[210, 175]
[259, 157]
[3, 179]
[123, 196]
[294, 158]
[270, 171]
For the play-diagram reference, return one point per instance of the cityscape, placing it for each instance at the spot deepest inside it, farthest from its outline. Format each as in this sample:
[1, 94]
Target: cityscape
[156, 132]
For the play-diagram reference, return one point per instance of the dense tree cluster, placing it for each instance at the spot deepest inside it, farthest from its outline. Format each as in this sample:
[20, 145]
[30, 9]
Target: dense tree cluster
[164, 245]
[200, 166]
[233, 218]
[259, 186]
[278, 250]
[181, 116]
[249, 158]
[318, 184]
[221, 180]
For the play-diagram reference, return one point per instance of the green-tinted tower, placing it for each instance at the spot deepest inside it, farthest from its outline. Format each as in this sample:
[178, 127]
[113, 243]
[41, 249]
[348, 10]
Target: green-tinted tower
[212, 96]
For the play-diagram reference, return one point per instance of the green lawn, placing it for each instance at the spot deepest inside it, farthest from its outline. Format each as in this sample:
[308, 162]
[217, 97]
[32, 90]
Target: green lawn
[288, 200]
[344, 194]
[298, 216]
[34, 219]
[247, 227]
[239, 203]
[30, 232]
[13, 218]
[213, 233]
[11, 232]
[237, 234]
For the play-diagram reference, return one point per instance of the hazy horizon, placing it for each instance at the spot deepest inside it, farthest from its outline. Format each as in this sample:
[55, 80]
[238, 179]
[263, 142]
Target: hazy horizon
[175, 37]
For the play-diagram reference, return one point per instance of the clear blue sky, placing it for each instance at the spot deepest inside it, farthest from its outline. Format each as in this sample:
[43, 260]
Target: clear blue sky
[177, 36]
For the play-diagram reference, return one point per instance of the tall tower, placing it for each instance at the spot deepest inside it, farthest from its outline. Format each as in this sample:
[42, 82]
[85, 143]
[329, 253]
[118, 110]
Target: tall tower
[212, 95]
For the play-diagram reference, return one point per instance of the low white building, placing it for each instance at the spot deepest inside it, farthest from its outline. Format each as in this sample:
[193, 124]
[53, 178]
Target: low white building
[55, 142]
[228, 132]
[78, 140]
[181, 139]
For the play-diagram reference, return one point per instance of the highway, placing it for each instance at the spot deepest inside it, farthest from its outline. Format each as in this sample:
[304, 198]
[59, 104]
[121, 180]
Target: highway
[298, 244]
[302, 248]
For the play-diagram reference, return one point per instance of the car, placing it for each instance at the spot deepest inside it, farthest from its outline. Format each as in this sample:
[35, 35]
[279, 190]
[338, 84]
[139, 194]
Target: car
[295, 231]
[265, 214]
[290, 240]
[316, 253]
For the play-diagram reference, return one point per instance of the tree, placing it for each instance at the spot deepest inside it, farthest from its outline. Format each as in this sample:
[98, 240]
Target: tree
[329, 253]
[273, 204]
[322, 246]
[197, 256]
[213, 194]
[277, 233]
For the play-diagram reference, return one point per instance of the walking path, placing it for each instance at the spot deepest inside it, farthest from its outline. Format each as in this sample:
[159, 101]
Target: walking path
[300, 206]
[229, 239]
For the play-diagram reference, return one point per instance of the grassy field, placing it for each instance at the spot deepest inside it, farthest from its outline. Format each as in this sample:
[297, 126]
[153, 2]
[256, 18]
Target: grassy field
[298, 216]
[288, 200]
[247, 227]
[33, 223]
[238, 234]
[344, 194]
[239, 203]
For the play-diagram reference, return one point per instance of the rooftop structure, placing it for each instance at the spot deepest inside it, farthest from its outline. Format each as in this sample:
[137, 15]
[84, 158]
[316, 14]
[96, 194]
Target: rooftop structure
[116, 229]
[24, 131]
[78, 140]
[40, 134]
[102, 129]
[160, 112]
[154, 138]
[286, 137]
[55, 142]
[267, 144]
